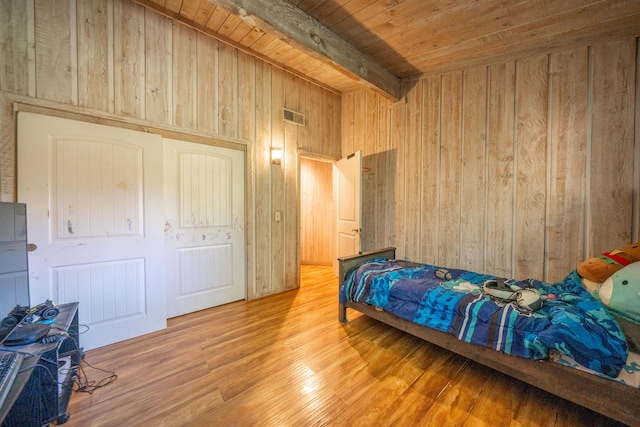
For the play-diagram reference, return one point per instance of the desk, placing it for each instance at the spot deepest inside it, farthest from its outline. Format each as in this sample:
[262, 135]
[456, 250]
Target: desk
[36, 398]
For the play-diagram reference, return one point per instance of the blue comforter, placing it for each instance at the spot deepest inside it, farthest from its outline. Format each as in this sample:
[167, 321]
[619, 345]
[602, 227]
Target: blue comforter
[574, 323]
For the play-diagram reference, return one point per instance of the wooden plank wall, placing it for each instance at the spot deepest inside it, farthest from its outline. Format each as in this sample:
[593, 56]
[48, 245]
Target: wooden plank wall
[521, 169]
[115, 62]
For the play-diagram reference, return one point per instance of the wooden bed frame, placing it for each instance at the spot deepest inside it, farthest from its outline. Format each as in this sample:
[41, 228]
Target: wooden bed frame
[609, 398]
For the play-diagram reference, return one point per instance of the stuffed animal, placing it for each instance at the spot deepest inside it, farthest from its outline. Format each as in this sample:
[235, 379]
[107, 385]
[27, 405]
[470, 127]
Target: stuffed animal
[621, 292]
[600, 268]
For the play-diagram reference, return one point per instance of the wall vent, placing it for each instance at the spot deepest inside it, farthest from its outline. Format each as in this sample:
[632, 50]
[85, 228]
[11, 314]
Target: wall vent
[293, 117]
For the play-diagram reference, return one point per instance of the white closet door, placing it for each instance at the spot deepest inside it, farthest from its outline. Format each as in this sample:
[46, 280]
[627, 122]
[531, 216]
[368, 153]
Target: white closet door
[94, 198]
[204, 235]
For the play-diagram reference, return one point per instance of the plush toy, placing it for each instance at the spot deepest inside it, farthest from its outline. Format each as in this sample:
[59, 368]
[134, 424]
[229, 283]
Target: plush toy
[528, 299]
[598, 269]
[621, 292]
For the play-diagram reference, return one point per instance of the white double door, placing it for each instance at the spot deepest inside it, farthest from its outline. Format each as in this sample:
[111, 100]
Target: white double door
[134, 227]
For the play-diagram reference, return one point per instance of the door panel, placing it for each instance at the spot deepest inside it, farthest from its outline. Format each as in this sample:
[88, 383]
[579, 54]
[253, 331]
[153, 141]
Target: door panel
[94, 198]
[347, 179]
[204, 236]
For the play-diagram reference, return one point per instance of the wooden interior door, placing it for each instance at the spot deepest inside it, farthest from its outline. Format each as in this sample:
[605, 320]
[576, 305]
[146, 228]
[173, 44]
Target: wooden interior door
[94, 200]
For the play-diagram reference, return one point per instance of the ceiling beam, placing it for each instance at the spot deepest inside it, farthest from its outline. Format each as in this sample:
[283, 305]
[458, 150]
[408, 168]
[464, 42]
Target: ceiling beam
[150, 4]
[303, 32]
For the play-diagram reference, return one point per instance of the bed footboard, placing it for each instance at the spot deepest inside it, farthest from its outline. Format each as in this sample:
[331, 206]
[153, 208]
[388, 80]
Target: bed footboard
[347, 263]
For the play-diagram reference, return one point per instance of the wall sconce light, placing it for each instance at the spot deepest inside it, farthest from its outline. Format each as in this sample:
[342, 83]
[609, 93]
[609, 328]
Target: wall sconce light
[276, 156]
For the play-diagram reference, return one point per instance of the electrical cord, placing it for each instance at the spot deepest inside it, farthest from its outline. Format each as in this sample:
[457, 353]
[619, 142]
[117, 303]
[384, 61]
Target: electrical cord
[81, 381]
[83, 384]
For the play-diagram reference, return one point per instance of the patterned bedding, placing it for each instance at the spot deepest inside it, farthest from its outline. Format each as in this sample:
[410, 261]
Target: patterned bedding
[573, 324]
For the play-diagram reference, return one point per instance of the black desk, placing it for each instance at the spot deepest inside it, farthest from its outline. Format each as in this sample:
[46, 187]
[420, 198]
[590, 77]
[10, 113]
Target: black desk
[36, 398]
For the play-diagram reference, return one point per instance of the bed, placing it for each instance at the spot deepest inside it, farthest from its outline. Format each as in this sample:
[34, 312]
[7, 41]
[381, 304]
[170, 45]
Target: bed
[590, 387]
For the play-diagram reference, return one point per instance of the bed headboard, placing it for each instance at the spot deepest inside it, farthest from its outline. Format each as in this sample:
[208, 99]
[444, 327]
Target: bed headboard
[348, 262]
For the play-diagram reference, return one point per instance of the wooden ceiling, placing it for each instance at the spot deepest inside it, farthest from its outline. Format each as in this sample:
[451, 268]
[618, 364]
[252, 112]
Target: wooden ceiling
[345, 44]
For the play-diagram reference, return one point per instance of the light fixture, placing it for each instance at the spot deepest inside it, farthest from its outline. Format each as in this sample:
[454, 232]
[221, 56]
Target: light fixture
[276, 156]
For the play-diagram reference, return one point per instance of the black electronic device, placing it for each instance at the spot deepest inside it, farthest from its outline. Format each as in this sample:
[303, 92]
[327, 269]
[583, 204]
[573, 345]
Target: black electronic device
[45, 311]
[4, 331]
[26, 333]
[10, 363]
[14, 247]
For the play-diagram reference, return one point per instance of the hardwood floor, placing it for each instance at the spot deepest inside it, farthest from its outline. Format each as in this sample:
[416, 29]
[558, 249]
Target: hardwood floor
[285, 360]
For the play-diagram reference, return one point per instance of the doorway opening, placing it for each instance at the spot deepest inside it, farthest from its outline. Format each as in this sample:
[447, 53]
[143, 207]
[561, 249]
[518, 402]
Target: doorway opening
[317, 216]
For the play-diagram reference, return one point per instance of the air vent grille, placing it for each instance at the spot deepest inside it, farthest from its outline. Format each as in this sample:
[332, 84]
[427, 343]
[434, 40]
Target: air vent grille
[293, 117]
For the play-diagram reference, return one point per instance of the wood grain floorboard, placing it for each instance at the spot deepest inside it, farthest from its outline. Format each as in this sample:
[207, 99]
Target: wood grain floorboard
[285, 360]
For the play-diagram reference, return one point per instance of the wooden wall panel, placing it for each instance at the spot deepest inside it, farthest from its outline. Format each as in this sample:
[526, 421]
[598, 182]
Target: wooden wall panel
[611, 174]
[129, 56]
[95, 58]
[451, 170]
[332, 145]
[8, 152]
[246, 96]
[305, 108]
[383, 186]
[360, 111]
[369, 164]
[56, 44]
[527, 167]
[531, 166]
[158, 68]
[397, 128]
[473, 209]
[568, 76]
[278, 201]
[315, 126]
[291, 180]
[113, 61]
[184, 76]
[348, 124]
[17, 24]
[227, 90]
[430, 176]
[207, 84]
[369, 145]
[263, 259]
[500, 169]
[331, 119]
[310, 98]
[412, 172]
[332, 124]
